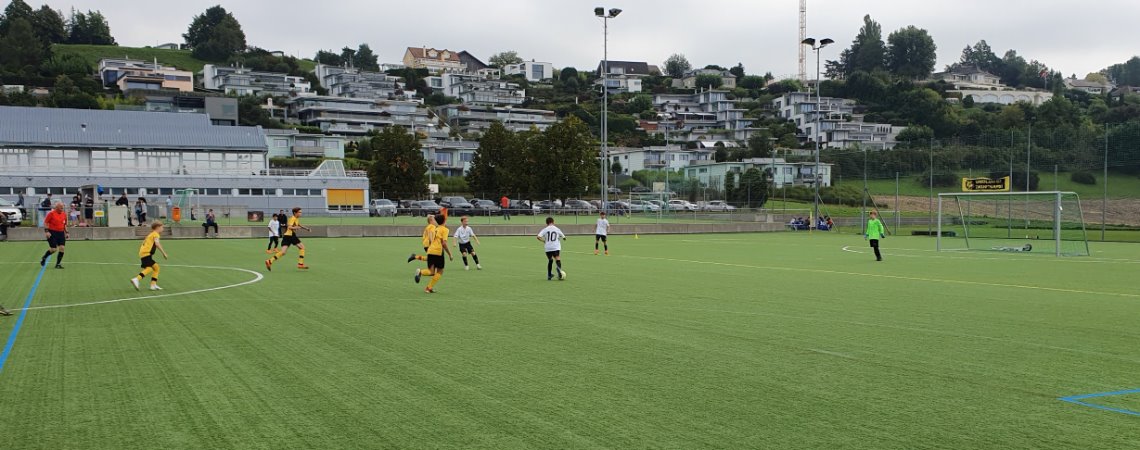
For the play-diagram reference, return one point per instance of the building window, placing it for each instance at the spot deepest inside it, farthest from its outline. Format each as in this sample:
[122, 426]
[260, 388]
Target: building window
[466, 157]
[331, 144]
[280, 142]
[536, 71]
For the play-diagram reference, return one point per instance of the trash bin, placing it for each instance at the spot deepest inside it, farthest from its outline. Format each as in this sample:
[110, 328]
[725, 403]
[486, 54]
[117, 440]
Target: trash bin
[176, 214]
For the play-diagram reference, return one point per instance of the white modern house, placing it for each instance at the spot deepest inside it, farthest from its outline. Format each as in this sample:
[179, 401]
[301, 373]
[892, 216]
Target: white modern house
[474, 89]
[689, 80]
[833, 122]
[985, 87]
[784, 173]
[658, 157]
[476, 119]
[291, 143]
[358, 116]
[242, 81]
[707, 115]
[533, 71]
[1092, 87]
[622, 76]
[356, 83]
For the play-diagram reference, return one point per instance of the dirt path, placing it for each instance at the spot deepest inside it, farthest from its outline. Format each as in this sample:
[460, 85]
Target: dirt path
[1119, 212]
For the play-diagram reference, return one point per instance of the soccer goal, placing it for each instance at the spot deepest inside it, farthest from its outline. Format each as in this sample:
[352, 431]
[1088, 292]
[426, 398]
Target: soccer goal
[1039, 222]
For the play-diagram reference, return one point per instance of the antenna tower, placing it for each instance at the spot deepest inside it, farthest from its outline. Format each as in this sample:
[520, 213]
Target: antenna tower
[799, 45]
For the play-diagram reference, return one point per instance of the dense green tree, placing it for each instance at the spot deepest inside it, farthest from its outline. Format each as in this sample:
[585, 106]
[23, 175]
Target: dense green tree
[564, 160]
[676, 65]
[89, 28]
[982, 57]
[66, 95]
[639, 104]
[49, 25]
[911, 54]
[348, 55]
[399, 168]
[1126, 73]
[867, 53]
[15, 10]
[250, 113]
[19, 47]
[737, 70]
[503, 59]
[752, 189]
[365, 59]
[328, 58]
[615, 167]
[215, 35]
[751, 82]
[568, 73]
[709, 81]
[493, 160]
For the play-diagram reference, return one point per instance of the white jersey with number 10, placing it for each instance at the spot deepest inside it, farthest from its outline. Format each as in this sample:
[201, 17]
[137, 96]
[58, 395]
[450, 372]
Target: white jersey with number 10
[552, 237]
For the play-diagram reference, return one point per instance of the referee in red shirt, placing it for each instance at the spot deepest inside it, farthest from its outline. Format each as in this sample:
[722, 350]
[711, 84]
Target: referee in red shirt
[55, 230]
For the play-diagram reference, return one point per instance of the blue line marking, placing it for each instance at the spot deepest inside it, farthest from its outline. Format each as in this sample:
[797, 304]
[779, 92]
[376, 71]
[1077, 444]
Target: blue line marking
[20, 320]
[1077, 399]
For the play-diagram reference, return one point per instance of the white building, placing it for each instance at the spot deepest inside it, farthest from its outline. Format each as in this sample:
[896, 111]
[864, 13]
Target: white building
[702, 116]
[658, 158]
[985, 87]
[476, 119]
[838, 124]
[475, 89]
[242, 81]
[1092, 87]
[130, 74]
[689, 80]
[784, 173]
[291, 143]
[356, 83]
[533, 71]
[622, 76]
[358, 116]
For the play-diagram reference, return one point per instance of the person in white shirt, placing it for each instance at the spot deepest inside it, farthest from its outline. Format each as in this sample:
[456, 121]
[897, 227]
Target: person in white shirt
[601, 231]
[552, 237]
[463, 236]
[274, 234]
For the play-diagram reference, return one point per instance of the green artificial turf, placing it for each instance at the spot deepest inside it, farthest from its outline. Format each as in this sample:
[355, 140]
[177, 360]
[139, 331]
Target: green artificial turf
[782, 340]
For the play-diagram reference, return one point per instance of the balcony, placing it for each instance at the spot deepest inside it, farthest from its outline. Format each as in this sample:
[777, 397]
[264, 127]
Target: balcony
[655, 163]
[304, 150]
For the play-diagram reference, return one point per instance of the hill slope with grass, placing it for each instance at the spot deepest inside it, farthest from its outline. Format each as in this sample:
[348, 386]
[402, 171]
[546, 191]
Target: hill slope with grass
[181, 59]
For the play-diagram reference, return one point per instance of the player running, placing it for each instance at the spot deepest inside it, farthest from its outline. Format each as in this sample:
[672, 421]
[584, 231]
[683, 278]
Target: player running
[601, 231]
[435, 251]
[552, 238]
[463, 236]
[146, 255]
[55, 230]
[875, 231]
[290, 239]
[429, 232]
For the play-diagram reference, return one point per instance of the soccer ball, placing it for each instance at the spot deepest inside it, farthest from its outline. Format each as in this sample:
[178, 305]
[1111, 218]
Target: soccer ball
[561, 275]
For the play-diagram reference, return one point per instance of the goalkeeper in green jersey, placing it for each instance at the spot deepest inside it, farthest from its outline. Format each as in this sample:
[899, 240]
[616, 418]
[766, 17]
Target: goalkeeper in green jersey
[875, 231]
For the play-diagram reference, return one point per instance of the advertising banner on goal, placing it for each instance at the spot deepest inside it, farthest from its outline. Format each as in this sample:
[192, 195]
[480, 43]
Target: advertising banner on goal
[985, 184]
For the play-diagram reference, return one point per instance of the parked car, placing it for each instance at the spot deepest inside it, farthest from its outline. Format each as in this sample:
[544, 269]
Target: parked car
[381, 207]
[618, 208]
[643, 206]
[639, 189]
[457, 206]
[13, 213]
[614, 190]
[486, 207]
[423, 208]
[579, 206]
[718, 205]
[523, 207]
[661, 206]
[548, 206]
[681, 205]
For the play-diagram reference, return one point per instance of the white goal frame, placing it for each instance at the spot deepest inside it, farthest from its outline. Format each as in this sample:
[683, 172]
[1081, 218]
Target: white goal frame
[1057, 197]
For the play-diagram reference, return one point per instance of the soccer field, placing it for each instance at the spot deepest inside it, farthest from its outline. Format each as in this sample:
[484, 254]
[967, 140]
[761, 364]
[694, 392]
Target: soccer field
[778, 340]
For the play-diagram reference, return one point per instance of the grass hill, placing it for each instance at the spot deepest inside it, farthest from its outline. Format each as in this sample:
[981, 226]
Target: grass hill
[181, 59]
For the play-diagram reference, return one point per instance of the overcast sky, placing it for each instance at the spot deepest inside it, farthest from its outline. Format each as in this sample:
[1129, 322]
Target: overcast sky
[1073, 37]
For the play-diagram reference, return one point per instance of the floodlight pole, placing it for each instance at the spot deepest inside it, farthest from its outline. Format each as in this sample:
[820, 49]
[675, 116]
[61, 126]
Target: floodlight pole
[1104, 199]
[605, 128]
[811, 42]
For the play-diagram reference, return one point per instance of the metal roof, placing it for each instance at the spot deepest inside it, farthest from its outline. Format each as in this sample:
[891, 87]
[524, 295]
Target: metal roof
[84, 128]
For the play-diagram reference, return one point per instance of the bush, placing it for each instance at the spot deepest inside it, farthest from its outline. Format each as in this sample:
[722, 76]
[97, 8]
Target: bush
[1083, 177]
[629, 184]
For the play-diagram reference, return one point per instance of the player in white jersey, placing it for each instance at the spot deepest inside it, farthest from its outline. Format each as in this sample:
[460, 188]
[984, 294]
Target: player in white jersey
[552, 237]
[601, 231]
[463, 236]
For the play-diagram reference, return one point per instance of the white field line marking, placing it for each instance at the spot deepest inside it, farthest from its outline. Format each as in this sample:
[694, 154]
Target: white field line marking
[1044, 257]
[257, 276]
[1084, 259]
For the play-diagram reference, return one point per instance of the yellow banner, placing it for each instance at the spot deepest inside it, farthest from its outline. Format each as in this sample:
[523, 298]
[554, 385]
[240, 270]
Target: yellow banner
[985, 185]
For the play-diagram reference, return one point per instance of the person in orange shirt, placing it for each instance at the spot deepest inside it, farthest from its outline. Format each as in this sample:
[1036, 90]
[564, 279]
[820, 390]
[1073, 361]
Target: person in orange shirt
[55, 231]
[505, 205]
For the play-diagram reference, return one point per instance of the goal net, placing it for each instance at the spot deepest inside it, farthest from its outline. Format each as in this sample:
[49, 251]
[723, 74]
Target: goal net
[1050, 223]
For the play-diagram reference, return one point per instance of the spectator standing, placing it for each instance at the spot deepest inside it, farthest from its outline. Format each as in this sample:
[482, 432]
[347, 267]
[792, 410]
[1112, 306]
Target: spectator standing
[505, 204]
[140, 211]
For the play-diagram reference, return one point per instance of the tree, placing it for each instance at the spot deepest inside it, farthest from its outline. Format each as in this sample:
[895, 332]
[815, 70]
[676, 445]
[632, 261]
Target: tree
[760, 144]
[751, 82]
[639, 104]
[568, 73]
[737, 70]
[982, 57]
[752, 188]
[250, 112]
[911, 53]
[327, 57]
[19, 48]
[89, 28]
[15, 10]
[1126, 73]
[503, 59]
[615, 167]
[365, 59]
[66, 95]
[1096, 77]
[867, 53]
[215, 35]
[563, 160]
[348, 55]
[676, 65]
[709, 81]
[48, 24]
[399, 168]
[730, 186]
[491, 163]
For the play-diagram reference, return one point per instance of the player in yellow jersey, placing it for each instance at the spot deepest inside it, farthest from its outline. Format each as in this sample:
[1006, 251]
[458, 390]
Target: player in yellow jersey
[146, 255]
[290, 239]
[429, 231]
[436, 249]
